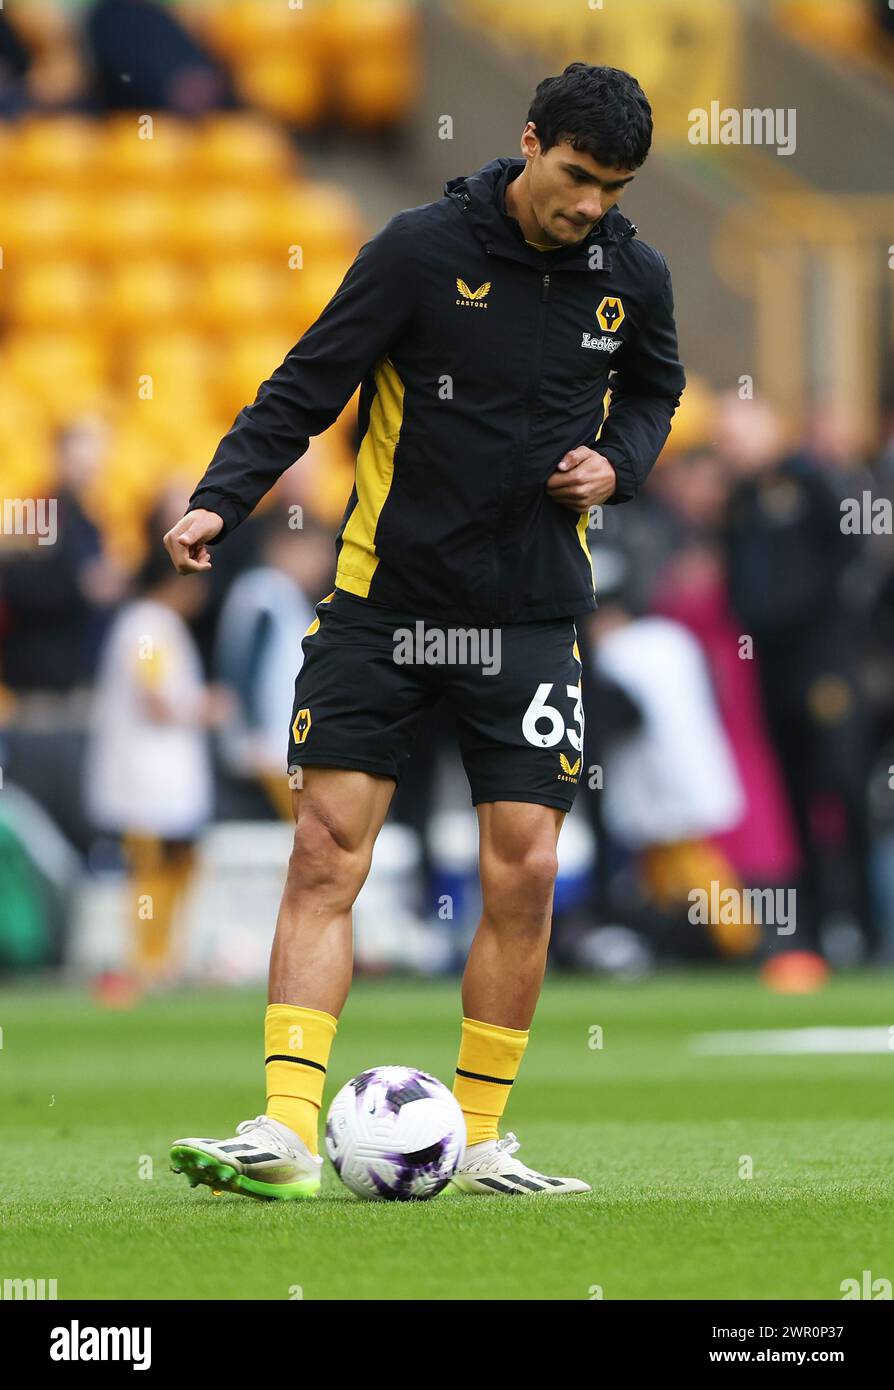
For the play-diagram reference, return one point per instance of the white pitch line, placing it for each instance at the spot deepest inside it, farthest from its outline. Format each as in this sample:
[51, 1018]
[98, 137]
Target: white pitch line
[795, 1040]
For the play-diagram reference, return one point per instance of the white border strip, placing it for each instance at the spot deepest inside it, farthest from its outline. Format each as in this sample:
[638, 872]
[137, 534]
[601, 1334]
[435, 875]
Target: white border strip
[778, 1041]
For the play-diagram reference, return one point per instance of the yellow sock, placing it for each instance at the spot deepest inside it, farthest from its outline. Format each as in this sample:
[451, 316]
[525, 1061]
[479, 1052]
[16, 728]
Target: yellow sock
[296, 1052]
[159, 877]
[489, 1059]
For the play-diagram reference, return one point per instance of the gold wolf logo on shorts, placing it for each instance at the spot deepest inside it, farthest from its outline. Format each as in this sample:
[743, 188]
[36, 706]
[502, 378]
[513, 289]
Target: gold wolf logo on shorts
[301, 725]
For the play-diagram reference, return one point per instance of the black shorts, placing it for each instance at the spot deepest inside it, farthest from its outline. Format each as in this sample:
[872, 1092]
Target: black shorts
[370, 673]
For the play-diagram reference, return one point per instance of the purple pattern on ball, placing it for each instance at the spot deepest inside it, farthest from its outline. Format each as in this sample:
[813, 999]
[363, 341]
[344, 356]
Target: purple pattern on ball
[402, 1092]
[410, 1167]
[338, 1159]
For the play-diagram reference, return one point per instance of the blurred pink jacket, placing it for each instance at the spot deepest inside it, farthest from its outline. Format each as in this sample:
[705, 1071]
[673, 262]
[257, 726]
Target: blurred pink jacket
[764, 845]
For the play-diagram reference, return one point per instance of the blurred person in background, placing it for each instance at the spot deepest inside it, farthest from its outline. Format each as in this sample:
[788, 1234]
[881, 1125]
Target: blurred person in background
[41, 65]
[876, 581]
[693, 590]
[148, 767]
[883, 14]
[787, 561]
[58, 598]
[267, 612]
[670, 783]
[144, 59]
[15, 62]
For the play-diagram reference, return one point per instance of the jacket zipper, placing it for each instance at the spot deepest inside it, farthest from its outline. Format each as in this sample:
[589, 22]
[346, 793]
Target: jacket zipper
[532, 401]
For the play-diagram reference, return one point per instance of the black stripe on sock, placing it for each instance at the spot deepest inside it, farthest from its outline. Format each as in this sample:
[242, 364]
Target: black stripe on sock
[477, 1076]
[303, 1061]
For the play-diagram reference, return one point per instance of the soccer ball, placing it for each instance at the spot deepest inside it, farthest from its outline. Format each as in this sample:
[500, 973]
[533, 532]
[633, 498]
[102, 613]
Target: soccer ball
[395, 1134]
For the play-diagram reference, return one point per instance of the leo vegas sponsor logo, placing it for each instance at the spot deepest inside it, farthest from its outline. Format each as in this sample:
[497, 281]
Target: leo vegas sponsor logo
[603, 344]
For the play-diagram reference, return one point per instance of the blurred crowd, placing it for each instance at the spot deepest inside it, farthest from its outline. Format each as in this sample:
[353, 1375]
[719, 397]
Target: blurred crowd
[107, 55]
[738, 690]
[333, 61]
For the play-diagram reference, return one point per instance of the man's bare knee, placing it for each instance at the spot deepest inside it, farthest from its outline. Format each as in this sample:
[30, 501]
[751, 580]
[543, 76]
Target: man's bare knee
[520, 886]
[326, 857]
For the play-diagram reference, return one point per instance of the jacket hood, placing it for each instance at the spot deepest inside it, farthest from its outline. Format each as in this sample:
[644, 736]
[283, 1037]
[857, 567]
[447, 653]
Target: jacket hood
[480, 197]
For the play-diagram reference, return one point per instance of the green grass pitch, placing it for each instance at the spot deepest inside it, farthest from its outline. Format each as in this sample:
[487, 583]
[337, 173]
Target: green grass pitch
[90, 1101]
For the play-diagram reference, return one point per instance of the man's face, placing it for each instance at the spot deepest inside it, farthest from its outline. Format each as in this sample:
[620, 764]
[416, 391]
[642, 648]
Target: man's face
[570, 191]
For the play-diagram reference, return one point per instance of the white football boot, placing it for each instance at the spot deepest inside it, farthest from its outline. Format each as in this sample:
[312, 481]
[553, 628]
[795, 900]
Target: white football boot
[263, 1159]
[490, 1169]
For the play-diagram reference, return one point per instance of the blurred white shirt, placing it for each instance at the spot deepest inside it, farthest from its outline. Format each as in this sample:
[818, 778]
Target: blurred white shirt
[674, 778]
[258, 655]
[144, 775]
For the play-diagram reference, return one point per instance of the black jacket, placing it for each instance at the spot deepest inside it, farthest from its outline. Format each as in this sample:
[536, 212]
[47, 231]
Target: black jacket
[482, 362]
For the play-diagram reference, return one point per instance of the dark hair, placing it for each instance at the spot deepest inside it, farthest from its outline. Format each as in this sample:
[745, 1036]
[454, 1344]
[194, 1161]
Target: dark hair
[602, 111]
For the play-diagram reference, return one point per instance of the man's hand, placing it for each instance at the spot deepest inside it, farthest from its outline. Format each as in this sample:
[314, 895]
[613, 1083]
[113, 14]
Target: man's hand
[583, 479]
[185, 542]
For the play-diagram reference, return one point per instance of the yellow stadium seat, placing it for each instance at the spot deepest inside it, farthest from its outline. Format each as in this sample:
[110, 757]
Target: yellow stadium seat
[377, 89]
[198, 442]
[245, 360]
[128, 484]
[242, 147]
[151, 451]
[223, 221]
[146, 148]
[54, 150]
[146, 451]
[27, 464]
[350, 31]
[289, 86]
[236, 293]
[843, 26]
[311, 290]
[141, 222]
[143, 294]
[320, 218]
[694, 421]
[331, 476]
[9, 173]
[25, 438]
[176, 365]
[63, 371]
[255, 26]
[52, 292]
[148, 455]
[37, 222]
